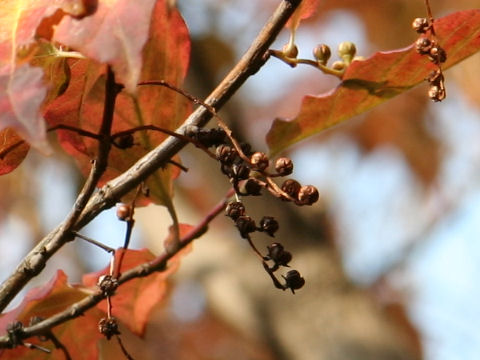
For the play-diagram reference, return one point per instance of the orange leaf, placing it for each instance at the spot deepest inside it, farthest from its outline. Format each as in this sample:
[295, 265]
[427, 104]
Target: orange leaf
[134, 300]
[371, 82]
[13, 150]
[57, 295]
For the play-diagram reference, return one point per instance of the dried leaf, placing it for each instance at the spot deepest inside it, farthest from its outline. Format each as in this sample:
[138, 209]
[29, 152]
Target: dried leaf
[368, 83]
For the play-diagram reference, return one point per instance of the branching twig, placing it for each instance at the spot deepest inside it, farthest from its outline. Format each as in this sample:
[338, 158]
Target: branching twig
[158, 264]
[107, 196]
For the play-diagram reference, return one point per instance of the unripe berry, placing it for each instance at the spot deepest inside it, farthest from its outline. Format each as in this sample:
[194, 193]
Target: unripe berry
[347, 51]
[290, 50]
[322, 53]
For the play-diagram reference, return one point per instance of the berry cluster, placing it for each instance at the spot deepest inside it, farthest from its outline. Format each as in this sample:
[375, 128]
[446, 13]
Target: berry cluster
[428, 45]
[249, 173]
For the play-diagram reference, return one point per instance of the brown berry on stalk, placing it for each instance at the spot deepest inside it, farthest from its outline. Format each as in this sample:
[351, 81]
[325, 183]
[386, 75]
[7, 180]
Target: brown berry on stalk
[107, 284]
[225, 154]
[284, 166]
[420, 25]
[423, 45]
[259, 160]
[124, 142]
[251, 187]
[437, 54]
[291, 187]
[108, 327]
[245, 225]
[240, 171]
[322, 53]
[290, 50]
[277, 254]
[294, 280]
[234, 210]
[124, 212]
[269, 225]
[436, 93]
[307, 195]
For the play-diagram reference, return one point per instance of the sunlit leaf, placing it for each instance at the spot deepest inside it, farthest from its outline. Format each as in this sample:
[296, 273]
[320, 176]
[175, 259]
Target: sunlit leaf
[371, 82]
[115, 34]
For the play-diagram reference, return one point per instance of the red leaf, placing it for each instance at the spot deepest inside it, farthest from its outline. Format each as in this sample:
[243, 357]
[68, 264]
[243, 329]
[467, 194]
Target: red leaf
[13, 150]
[46, 301]
[368, 83]
[21, 87]
[115, 34]
[134, 300]
[165, 56]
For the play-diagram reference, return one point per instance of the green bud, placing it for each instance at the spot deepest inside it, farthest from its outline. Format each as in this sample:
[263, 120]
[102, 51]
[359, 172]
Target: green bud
[347, 50]
[290, 50]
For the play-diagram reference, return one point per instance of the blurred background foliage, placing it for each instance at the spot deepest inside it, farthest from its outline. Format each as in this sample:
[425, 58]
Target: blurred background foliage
[390, 256]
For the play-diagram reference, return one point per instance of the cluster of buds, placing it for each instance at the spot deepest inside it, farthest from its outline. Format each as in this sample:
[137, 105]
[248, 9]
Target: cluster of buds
[427, 45]
[346, 51]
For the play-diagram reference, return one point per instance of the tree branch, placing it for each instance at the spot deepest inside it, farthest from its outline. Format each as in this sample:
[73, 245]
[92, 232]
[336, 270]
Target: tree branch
[109, 194]
[158, 264]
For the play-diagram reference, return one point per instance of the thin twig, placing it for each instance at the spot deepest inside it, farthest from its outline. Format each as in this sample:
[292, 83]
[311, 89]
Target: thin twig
[124, 349]
[94, 242]
[158, 264]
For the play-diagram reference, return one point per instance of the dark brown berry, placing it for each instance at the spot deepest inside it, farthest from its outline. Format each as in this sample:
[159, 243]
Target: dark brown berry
[423, 45]
[294, 280]
[124, 212]
[437, 54]
[251, 187]
[108, 327]
[124, 142]
[259, 160]
[245, 225]
[269, 225]
[420, 25]
[234, 210]
[291, 187]
[225, 154]
[107, 284]
[307, 195]
[436, 93]
[240, 171]
[278, 255]
[284, 166]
